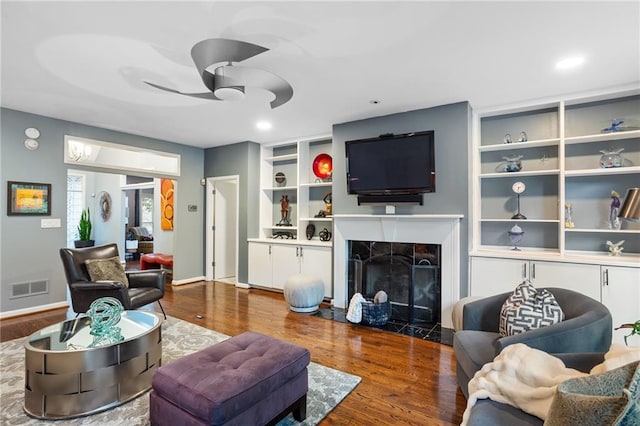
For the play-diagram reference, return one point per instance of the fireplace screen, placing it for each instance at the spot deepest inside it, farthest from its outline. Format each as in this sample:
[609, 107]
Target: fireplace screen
[409, 273]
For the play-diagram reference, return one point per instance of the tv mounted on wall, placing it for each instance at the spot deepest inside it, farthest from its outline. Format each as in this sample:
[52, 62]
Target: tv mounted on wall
[391, 165]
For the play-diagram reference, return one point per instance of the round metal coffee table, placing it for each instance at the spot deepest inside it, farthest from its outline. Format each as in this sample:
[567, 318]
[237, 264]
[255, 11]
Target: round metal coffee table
[65, 378]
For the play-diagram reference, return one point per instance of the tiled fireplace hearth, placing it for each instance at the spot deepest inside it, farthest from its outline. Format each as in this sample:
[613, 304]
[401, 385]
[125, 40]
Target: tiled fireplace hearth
[442, 230]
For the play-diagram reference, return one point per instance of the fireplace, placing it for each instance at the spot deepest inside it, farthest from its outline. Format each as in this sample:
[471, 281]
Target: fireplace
[408, 272]
[422, 230]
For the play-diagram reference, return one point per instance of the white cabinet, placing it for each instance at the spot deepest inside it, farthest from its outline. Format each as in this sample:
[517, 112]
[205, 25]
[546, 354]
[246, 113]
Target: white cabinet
[621, 294]
[317, 261]
[491, 276]
[286, 262]
[260, 264]
[270, 263]
[282, 247]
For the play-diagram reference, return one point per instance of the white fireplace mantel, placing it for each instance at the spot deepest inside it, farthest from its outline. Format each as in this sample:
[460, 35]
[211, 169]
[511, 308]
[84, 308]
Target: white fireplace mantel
[443, 229]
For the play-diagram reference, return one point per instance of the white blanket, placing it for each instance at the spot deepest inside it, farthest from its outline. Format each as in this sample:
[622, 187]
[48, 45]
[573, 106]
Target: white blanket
[527, 378]
[354, 313]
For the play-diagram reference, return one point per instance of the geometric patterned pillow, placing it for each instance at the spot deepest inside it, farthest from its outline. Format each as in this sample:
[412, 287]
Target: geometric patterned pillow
[106, 270]
[528, 308]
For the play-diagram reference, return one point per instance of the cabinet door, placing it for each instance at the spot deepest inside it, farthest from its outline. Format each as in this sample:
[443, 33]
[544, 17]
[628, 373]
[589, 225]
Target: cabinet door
[491, 276]
[317, 261]
[621, 294]
[578, 277]
[286, 262]
[260, 269]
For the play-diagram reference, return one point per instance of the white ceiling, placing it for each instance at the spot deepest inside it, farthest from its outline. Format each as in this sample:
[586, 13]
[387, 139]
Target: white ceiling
[86, 61]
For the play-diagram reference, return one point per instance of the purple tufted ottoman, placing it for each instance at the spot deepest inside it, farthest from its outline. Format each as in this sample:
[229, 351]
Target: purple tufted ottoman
[249, 379]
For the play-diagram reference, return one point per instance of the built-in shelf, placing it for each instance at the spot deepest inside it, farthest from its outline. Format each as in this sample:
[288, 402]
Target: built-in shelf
[317, 184]
[519, 145]
[284, 157]
[609, 171]
[520, 173]
[603, 231]
[522, 220]
[603, 137]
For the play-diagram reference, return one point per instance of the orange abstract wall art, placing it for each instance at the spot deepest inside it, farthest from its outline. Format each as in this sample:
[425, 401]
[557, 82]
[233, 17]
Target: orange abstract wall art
[166, 204]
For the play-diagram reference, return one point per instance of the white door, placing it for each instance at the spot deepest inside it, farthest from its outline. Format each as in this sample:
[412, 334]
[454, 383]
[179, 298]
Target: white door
[491, 276]
[225, 226]
[222, 228]
[578, 277]
[621, 294]
[317, 261]
[286, 262]
[260, 264]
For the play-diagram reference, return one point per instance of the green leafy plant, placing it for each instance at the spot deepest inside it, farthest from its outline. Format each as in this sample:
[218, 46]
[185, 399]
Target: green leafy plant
[84, 226]
[635, 329]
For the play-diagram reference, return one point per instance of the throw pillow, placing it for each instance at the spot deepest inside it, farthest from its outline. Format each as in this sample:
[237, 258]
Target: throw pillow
[108, 269]
[528, 308]
[609, 398]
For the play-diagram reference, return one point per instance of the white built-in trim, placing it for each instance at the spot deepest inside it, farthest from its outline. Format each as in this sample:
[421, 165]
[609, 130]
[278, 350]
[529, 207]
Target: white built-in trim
[443, 229]
[33, 310]
[188, 280]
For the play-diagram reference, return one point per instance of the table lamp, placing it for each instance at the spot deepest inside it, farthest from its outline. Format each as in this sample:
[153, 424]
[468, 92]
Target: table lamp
[630, 209]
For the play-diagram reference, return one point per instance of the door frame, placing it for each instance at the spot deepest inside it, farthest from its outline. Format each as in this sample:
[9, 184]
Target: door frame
[209, 221]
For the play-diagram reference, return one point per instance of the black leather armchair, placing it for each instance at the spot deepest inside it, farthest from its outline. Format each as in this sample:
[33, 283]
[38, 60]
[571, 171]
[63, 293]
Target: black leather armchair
[144, 286]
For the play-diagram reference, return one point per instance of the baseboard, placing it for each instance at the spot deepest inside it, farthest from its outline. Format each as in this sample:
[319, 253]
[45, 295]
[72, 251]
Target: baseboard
[243, 285]
[188, 280]
[33, 310]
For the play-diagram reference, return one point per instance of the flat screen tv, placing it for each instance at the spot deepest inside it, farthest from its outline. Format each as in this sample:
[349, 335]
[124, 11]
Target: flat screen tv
[394, 164]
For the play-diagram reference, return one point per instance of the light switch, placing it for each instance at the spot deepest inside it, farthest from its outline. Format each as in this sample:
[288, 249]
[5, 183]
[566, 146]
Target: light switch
[50, 223]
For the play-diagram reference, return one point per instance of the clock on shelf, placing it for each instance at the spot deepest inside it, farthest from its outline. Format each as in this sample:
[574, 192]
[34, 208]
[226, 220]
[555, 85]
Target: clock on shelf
[518, 188]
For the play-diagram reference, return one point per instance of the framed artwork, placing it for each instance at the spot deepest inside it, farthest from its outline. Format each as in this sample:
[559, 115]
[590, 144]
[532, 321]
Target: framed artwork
[167, 188]
[28, 198]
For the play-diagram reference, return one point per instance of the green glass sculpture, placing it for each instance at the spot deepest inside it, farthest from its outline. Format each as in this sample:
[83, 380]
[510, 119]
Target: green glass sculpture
[105, 314]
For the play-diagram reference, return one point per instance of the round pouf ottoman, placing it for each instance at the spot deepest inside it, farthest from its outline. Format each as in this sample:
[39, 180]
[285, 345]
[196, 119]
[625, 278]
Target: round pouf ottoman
[303, 293]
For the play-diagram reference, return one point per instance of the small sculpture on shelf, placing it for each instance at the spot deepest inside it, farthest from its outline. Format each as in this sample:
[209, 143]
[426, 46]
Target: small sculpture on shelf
[523, 137]
[568, 213]
[285, 211]
[615, 126]
[281, 179]
[310, 231]
[610, 159]
[510, 164]
[615, 249]
[328, 203]
[516, 234]
[324, 235]
[614, 220]
[507, 138]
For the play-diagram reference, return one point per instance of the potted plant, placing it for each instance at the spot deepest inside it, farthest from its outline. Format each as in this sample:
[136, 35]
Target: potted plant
[84, 230]
[635, 329]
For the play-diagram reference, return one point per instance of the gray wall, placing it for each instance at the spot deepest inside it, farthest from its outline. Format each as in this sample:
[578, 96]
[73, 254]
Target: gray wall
[29, 252]
[452, 126]
[242, 159]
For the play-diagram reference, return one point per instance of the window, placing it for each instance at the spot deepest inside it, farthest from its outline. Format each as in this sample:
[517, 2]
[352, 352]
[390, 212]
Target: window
[146, 208]
[75, 204]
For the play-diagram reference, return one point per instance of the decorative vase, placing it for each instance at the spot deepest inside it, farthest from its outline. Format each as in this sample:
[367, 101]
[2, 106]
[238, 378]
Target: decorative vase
[611, 159]
[311, 229]
[84, 243]
[511, 164]
[516, 234]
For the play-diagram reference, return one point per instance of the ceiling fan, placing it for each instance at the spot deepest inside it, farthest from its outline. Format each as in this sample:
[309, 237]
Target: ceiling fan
[228, 81]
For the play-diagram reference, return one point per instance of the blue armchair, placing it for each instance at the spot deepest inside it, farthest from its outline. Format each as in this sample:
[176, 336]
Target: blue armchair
[587, 328]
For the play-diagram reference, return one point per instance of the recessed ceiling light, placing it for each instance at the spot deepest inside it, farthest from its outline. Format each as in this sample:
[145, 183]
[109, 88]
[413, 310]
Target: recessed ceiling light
[263, 125]
[568, 63]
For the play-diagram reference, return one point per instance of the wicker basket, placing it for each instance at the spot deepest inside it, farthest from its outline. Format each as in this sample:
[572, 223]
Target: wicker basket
[375, 313]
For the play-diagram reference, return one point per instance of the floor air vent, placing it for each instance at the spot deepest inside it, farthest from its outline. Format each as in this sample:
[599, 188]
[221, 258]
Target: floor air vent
[30, 288]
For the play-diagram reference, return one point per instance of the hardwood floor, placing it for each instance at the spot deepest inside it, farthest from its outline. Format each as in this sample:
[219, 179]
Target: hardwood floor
[404, 380]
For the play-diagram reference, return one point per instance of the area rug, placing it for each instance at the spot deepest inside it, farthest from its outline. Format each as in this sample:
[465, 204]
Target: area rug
[327, 387]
